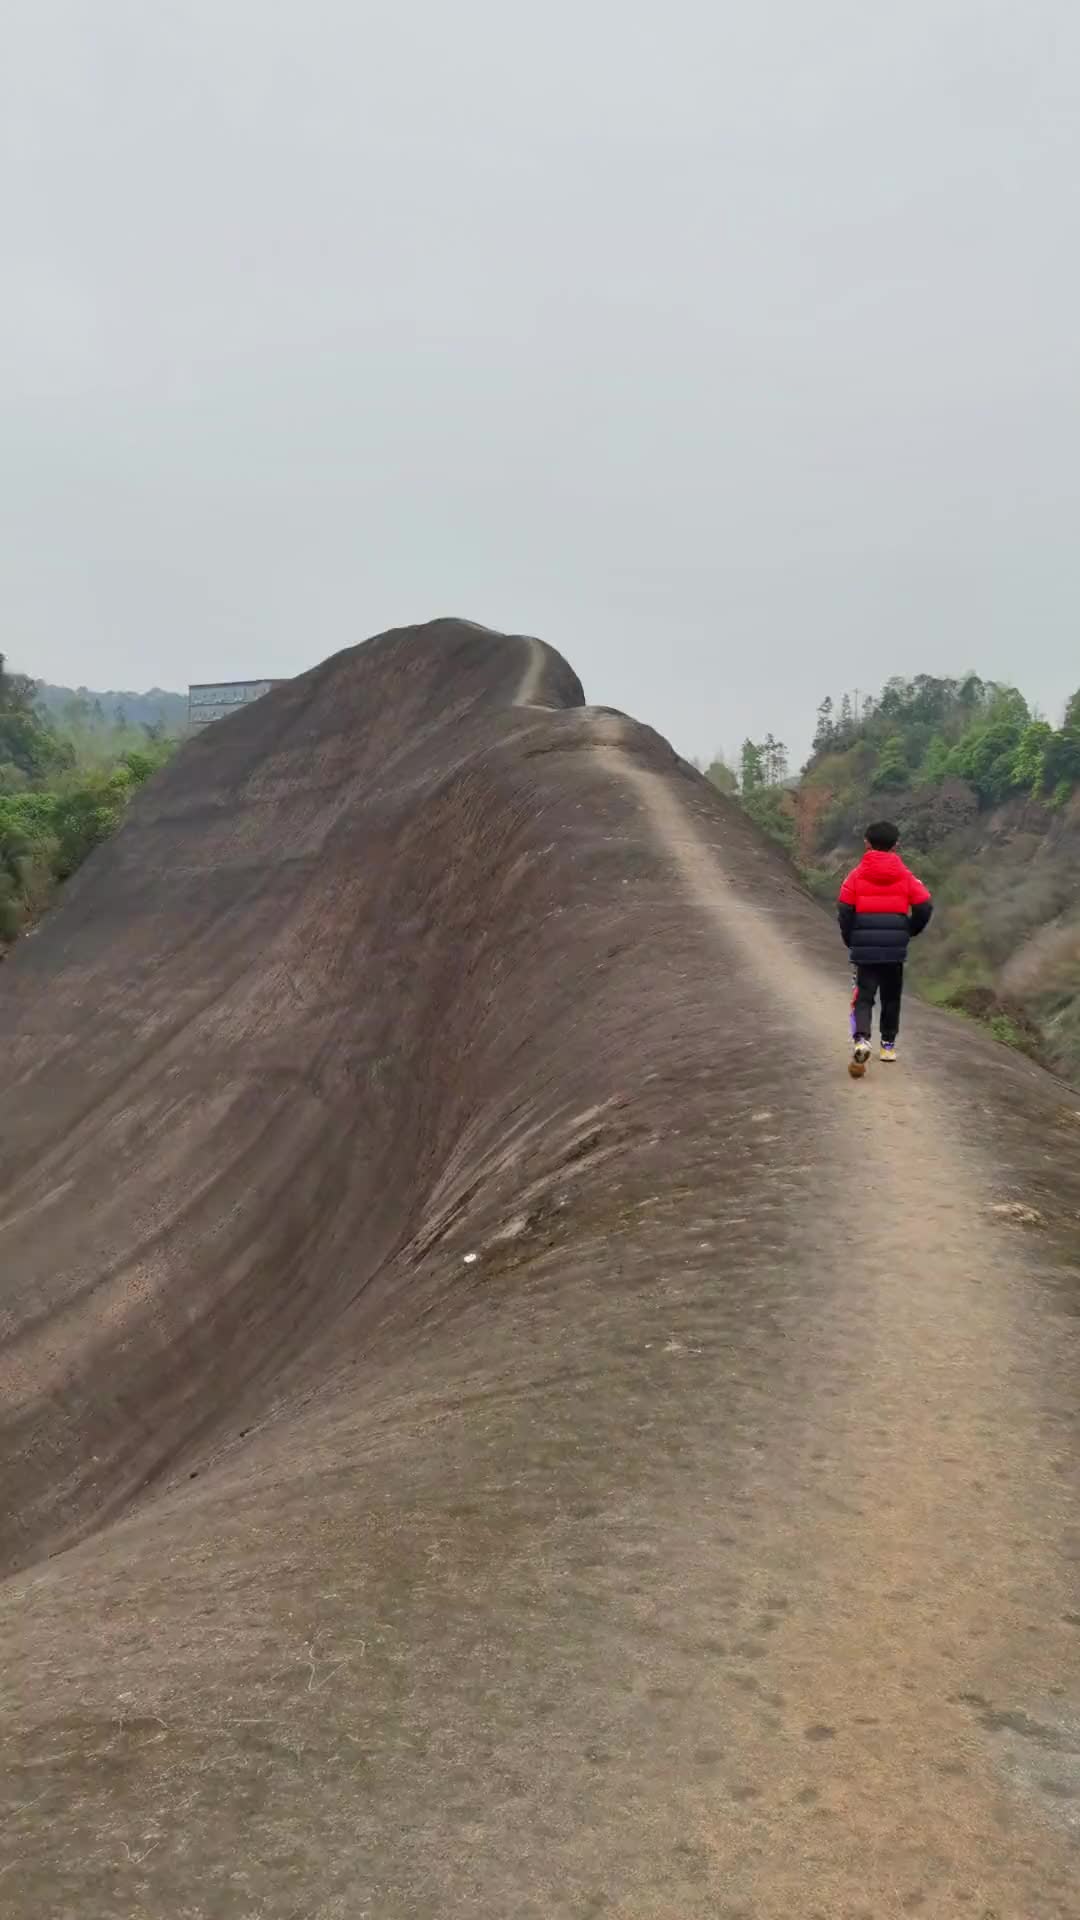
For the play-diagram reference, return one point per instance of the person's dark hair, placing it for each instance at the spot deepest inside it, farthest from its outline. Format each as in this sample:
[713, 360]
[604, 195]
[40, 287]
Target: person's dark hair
[882, 835]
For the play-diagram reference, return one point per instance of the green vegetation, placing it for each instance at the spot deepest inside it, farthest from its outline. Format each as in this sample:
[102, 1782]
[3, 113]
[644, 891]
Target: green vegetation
[770, 808]
[925, 735]
[65, 782]
[761, 785]
[162, 713]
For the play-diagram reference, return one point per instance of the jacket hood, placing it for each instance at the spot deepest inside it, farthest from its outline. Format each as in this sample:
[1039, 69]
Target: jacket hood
[881, 869]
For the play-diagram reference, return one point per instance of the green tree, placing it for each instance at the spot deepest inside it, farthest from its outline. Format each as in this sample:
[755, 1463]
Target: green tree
[935, 761]
[1008, 704]
[825, 732]
[52, 814]
[28, 745]
[23, 864]
[985, 754]
[770, 809]
[16, 690]
[723, 777]
[893, 698]
[774, 761]
[1061, 768]
[971, 692]
[1028, 765]
[892, 769]
[751, 770]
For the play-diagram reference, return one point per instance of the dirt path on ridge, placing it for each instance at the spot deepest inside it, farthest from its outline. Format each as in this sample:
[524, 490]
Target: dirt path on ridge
[937, 1459]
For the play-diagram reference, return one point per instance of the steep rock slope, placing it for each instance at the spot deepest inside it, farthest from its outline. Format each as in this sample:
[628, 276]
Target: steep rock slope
[494, 1421]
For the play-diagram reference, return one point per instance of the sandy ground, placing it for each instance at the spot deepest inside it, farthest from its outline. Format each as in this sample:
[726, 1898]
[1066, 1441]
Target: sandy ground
[560, 1447]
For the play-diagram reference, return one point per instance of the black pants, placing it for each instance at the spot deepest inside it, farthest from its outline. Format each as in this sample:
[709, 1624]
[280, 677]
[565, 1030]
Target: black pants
[887, 980]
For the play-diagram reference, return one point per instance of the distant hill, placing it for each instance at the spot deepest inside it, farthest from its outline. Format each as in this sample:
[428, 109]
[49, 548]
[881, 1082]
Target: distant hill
[156, 708]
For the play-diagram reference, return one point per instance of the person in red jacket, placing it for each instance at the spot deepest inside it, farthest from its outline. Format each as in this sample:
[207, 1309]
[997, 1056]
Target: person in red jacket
[882, 906]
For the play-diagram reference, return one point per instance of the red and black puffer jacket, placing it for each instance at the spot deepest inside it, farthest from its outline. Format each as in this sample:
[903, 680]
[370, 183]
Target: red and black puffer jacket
[882, 906]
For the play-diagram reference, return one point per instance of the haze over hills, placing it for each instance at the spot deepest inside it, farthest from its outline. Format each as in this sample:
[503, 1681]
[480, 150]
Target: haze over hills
[495, 1422]
[155, 708]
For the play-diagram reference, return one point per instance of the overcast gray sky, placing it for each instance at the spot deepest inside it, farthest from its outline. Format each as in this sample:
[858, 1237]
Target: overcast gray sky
[731, 347]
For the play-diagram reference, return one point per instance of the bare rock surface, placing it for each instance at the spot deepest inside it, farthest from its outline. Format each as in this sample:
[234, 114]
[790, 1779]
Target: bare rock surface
[495, 1423]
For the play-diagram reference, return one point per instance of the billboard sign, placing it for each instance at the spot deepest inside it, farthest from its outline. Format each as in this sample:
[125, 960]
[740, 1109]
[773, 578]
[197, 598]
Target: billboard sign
[217, 700]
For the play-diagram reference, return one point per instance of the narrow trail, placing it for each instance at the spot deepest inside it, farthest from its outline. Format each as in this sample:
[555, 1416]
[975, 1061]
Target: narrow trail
[933, 1502]
[530, 679]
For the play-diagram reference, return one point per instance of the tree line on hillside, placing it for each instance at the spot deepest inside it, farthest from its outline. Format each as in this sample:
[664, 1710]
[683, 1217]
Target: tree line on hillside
[160, 712]
[762, 763]
[929, 729]
[64, 785]
[936, 750]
